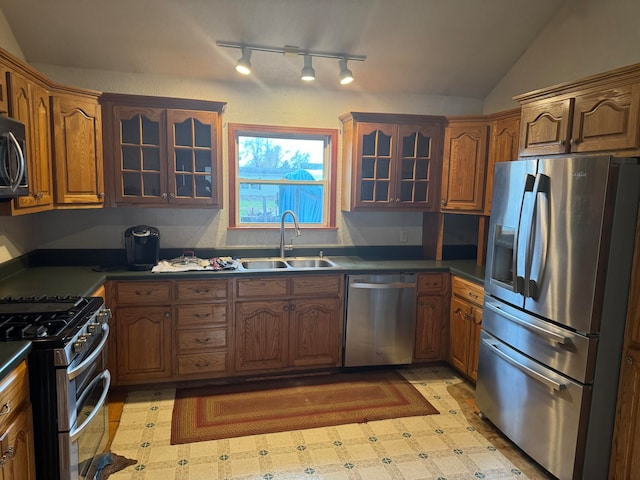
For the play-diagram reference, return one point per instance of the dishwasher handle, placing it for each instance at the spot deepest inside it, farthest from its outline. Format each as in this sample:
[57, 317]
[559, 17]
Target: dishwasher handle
[394, 285]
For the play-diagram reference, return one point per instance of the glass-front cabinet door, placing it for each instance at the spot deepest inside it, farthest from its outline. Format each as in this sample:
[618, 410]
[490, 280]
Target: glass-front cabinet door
[416, 187]
[376, 165]
[140, 175]
[192, 147]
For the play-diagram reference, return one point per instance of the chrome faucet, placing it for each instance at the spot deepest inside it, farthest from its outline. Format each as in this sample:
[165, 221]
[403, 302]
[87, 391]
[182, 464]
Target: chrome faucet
[295, 223]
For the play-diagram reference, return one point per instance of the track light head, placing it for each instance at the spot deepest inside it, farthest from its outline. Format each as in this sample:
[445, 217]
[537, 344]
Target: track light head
[243, 65]
[346, 76]
[308, 73]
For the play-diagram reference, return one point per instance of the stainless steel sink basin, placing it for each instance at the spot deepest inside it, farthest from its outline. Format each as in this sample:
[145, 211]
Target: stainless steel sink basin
[263, 264]
[278, 263]
[310, 262]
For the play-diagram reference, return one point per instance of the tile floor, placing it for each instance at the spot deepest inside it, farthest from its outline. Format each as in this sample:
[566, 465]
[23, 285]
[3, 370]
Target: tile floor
[440, 446]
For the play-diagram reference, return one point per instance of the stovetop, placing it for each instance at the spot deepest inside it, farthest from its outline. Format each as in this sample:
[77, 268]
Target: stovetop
[45, 319]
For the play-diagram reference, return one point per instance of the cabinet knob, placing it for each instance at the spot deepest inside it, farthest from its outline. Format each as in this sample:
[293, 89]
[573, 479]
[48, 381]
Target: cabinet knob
[574, 141]
[172, 195]
[39, 195]
[6, 408]
[561, 143]
[163, 195]
[443, 202]
[629, 360]
[101, 195]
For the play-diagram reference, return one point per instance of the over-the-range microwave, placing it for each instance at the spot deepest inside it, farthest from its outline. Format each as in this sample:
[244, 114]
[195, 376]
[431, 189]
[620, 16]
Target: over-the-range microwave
[13, 159]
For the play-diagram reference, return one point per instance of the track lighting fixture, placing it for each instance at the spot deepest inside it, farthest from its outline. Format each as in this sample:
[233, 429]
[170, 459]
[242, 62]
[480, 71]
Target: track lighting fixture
[307, 73]
[346, 77]
[243, 65]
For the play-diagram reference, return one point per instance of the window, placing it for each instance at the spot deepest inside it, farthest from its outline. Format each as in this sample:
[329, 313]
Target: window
[275, 169]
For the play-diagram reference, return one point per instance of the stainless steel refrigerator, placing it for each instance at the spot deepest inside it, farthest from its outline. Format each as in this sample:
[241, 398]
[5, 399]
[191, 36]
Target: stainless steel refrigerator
[559, 253]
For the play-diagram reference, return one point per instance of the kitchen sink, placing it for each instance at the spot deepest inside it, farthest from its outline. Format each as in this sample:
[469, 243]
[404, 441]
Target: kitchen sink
[263, 264]
[278, 263]
[310, 262]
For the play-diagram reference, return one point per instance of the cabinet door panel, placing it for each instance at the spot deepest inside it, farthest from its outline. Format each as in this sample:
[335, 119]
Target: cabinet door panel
[459, 334]
[41, 120]
[316, 332]
[503, 147]
[430, 325]
[545, 127]
[464, 168]
[18, 438]
[375, 165]
[144, 342]
[262, 335]
[192, 156]
[4, 91]
[606, 120]
[78, 159]
[418, 167]
[140, 163]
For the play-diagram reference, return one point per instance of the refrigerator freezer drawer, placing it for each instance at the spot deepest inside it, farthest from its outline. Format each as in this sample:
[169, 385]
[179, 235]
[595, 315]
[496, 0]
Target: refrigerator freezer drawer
[563, 350]
[542, 412]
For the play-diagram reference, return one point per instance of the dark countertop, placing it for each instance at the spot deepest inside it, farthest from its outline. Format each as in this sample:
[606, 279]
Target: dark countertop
[11, 354]
[84, 280]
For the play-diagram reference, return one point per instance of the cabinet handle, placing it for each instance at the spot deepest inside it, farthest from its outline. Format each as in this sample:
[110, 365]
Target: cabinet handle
[10, 453]
[197, 290]
[146, 293]
[6, 408]
[629, 360]
[203, 341]
[201, 315]
[163, 195]
[201, 364]
[473, 295]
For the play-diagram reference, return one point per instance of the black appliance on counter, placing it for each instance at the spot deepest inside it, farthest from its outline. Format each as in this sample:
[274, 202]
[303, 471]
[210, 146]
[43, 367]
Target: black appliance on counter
[142, 243]
[68, 379]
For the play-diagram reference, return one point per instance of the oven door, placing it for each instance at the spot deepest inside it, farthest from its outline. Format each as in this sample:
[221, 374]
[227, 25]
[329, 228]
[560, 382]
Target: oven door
[83, 417]
[86, 441]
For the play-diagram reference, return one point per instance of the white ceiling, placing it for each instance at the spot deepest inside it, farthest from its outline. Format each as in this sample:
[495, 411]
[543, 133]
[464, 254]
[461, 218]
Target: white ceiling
[448, 47]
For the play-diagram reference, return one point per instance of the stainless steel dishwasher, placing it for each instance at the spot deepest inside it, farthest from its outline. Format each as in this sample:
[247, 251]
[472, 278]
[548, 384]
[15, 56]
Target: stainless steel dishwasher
[381, 317]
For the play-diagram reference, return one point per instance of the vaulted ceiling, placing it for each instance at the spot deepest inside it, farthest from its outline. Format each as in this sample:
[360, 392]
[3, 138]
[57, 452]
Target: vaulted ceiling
[448, 47]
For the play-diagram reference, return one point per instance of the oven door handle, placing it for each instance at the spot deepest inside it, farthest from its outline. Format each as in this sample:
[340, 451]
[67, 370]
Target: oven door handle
[524, 369]
[106, 376]
[73, 373]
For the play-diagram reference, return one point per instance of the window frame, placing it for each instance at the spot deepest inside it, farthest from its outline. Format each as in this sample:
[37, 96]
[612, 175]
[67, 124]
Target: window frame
[235, 129]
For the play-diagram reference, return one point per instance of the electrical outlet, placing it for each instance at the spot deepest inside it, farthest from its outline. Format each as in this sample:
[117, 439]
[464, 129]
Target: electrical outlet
[404, 236]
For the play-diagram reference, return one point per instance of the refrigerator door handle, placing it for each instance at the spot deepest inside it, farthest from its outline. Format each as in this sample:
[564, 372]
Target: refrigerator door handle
[539, 237]
[542, 332]
[523, 368]
[521, 236]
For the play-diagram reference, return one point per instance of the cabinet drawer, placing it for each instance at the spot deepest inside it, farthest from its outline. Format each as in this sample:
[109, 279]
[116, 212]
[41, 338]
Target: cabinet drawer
[143, 292]
[202, 363]
[14, 391]
[261, 287]
[202, 314]
[431, 283]
[317, 285]
[202, 338]
[471, 292]
[191, 291]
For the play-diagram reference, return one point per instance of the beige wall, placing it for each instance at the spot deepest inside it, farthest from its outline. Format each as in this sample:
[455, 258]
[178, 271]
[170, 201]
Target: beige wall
[584, 38]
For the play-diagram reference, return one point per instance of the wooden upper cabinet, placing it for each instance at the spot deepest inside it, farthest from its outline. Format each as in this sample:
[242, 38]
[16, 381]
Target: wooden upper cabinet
[163, 151]
[600, 113]
[4, 92]
[391, 161]
[503, 147]
[78, 165]
[464, 165]
[29, 103]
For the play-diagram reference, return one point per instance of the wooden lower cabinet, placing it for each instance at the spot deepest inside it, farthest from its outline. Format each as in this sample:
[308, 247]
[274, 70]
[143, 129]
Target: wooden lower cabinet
[432, 324]
[17, 460]
[144, 343]
[465, 323]
[289, 323]
[262, 335]
[625, 450]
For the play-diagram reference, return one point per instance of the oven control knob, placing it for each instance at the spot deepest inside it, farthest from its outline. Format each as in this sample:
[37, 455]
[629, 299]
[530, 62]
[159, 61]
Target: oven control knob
[80, 344]
[92, 328]
[103, 315]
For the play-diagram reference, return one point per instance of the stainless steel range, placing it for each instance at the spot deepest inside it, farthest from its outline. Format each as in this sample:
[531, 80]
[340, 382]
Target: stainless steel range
[68, 378]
